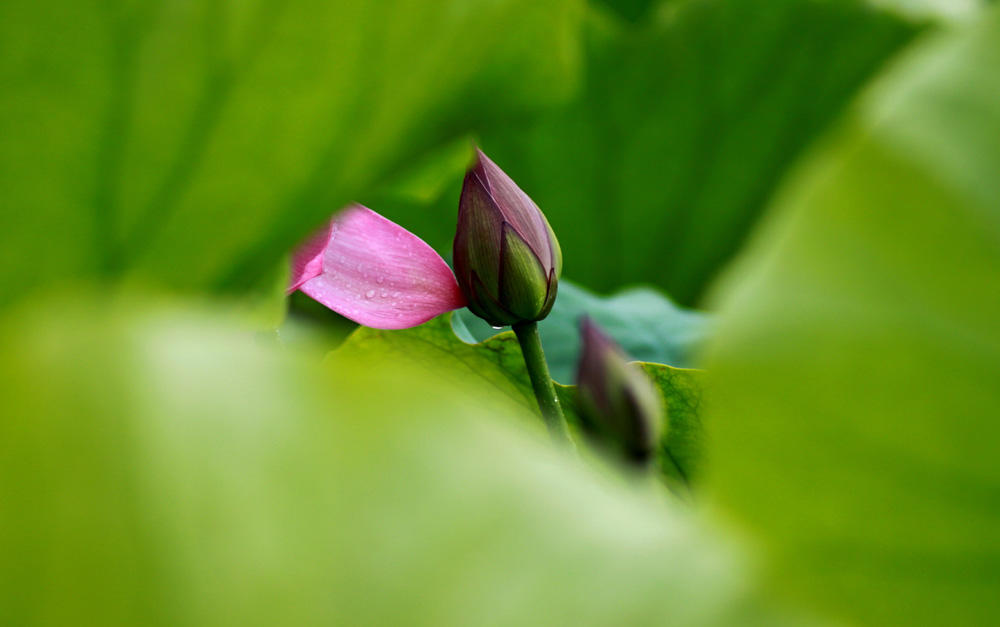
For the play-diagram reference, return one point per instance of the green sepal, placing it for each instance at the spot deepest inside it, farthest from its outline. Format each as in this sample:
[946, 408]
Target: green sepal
[485, 305]
[523, 284]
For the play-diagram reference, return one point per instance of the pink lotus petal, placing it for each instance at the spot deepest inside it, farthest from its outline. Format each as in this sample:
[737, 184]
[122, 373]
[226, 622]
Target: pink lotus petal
[376, 273]
[307, 261]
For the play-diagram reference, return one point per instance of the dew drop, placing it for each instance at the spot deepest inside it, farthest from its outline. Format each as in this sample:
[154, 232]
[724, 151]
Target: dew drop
[369, 293]
[379, 279]
[497, 328]
[384, 294]
[395, 294]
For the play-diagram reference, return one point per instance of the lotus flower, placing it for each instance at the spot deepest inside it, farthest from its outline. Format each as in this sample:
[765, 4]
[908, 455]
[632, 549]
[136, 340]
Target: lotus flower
[375, 272]
[507, 258]
[618, 403]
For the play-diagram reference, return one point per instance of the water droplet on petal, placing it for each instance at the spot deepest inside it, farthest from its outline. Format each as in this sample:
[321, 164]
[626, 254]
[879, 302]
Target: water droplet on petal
[379, 279]
[384, 294]
[370, 293]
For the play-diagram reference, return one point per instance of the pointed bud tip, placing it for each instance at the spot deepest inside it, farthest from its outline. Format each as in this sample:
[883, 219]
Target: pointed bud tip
[618, 402]
[597, 340]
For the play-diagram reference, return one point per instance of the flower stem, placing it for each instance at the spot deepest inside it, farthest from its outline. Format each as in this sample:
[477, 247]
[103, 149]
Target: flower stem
[541, 382]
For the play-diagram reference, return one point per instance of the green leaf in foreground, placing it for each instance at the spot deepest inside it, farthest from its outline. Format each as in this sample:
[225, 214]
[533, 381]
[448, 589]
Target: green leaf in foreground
[855, 397]
[194, 143]
[159, 467]
[641, 319]
[497, 363]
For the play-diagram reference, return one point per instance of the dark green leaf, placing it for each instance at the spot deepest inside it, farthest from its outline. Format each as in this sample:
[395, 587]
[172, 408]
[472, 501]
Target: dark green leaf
[686, 127]
[632, 10]
[194, 143]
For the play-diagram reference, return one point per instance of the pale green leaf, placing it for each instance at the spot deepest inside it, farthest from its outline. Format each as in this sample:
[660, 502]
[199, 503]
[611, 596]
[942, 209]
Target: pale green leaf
[855, 387]
[159, 467]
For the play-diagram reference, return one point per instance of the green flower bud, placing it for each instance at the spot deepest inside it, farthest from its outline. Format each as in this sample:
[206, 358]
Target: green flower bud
[507, 259]
[618, 404]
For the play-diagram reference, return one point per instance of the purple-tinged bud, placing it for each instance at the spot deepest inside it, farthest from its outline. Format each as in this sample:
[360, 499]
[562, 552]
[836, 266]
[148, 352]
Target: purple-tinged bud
[507, 259]
[617, 401]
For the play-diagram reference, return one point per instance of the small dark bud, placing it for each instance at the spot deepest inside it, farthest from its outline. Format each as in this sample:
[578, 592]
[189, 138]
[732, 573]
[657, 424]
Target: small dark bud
[619, 405]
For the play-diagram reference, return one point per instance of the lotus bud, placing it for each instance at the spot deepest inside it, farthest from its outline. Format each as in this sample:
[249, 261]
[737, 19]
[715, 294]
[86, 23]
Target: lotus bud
[617, 401]
[507, 259]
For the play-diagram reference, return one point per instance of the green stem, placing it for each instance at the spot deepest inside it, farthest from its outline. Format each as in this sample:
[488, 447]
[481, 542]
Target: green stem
[541, 382]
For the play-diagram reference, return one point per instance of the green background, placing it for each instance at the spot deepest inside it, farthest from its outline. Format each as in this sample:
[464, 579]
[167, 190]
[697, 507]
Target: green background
[797, 197]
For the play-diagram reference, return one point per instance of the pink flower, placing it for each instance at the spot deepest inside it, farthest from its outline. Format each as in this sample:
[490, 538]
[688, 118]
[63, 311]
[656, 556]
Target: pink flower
[375, 272]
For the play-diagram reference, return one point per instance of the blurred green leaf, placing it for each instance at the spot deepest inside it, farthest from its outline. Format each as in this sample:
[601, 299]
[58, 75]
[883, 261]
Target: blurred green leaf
[194, 143]
[427, 178]
[313, 326]
[264, 305]
[942, 10]
[855, 388]
[631, 10]
[646, 324]
[497, 362]
[686, 126]
[159, 467]
[423, 198]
